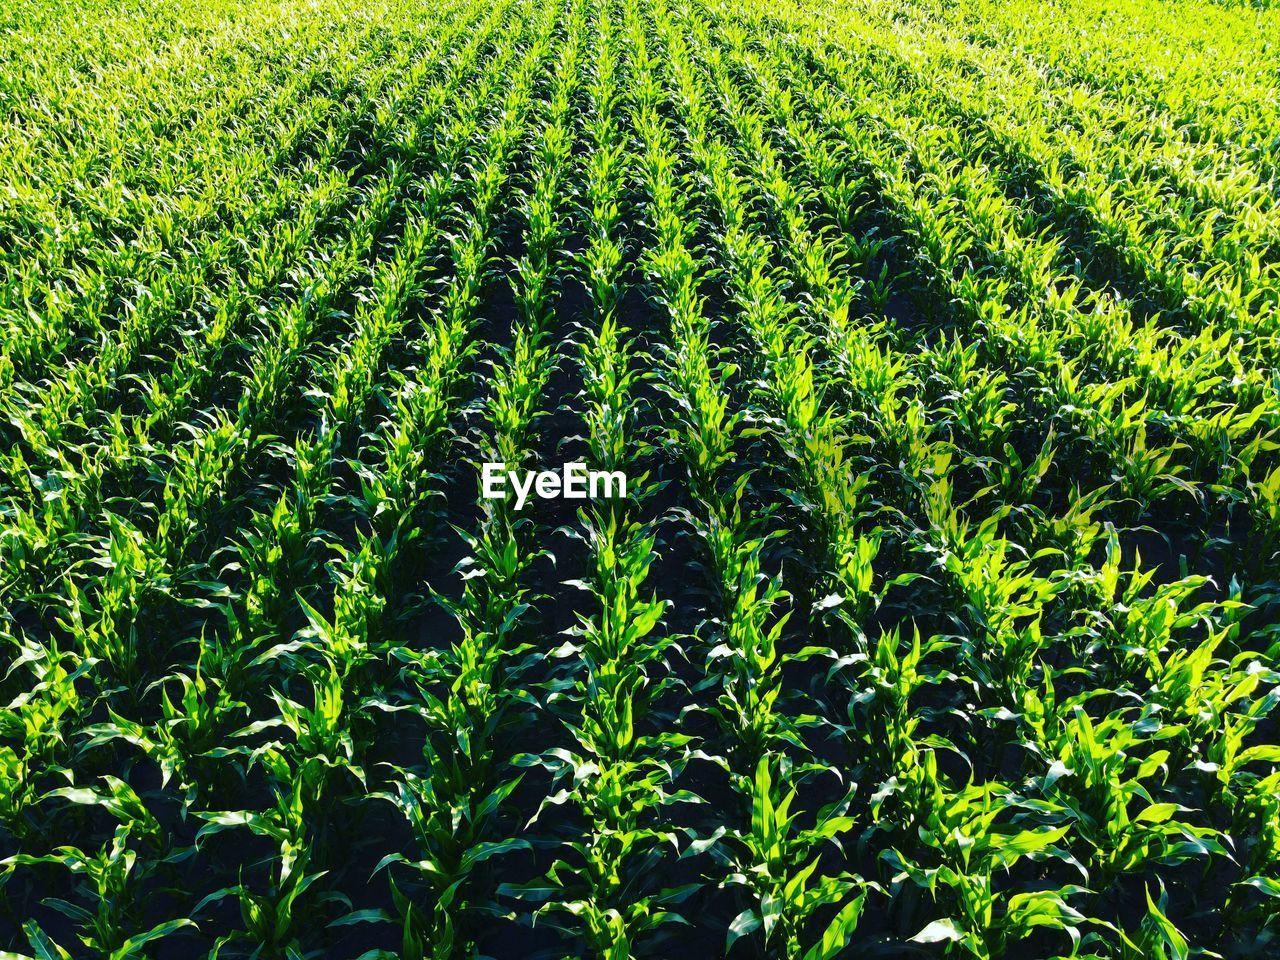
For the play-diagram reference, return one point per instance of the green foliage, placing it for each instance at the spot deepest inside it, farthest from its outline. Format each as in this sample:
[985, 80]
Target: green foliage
[937, 341]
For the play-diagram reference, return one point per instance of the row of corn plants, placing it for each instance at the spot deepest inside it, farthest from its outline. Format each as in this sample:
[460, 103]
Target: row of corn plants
[469, 691]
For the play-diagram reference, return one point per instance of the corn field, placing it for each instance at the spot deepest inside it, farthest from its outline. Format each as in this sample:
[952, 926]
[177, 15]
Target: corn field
[939, 346]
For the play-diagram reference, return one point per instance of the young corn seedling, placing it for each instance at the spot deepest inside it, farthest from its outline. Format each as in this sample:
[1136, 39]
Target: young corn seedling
[965, 838]
[780, 869]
